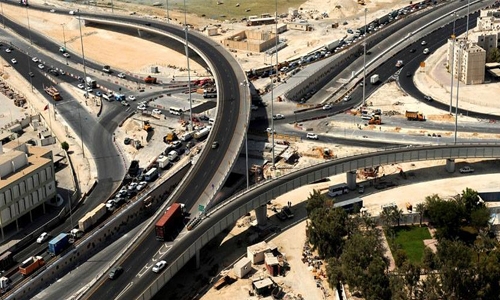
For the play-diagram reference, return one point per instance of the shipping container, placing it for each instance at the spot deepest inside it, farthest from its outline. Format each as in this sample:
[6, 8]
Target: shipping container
[30, 265]
[167, 226]
[58, 244]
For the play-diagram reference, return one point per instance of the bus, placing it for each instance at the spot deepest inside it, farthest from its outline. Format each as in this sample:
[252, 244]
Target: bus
[176, 111]
[151, 175]
[338, 189]
[351, 205]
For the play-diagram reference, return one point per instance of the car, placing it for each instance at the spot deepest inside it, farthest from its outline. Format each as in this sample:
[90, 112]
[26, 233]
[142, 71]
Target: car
[115, 272]
[176, 144]
[98, 94]
[399, 64]
[133, 186]
[204, 118]
[426, 51]
[347, 98]
[121, 75]
[52, 10]
[142, 107]
[80, 86]
[215, 145]
[35, 59]
[157, 111]
[131, 98]
[127, 141]
[189, 145]
[269, 130]
[31, 74]
[254, 107]
[125, 103]
[159, 266]
[408, 74]
[41, 66]
[141, 185]
[361, 189]
[42, 238]
[71, 12]
[312, 136]
[428, 98]
[327, 106]
[143, 103]
[423, 43]
[278, 117]
[66, 54]
[14, 61]
[8, 50]
[466, 169]
[62, 72]
[412, 50]
[111, 205]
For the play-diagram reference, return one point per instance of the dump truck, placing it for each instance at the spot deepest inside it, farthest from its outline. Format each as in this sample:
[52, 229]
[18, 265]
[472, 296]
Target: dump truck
[170, 137]
[58, 244]
[167, 225]
[374, 79]
[53, 92]
[30, 265]
[147, 126]
[375, 120]
[90, 82]
[150, 79]
[414, 116]
[92, 218]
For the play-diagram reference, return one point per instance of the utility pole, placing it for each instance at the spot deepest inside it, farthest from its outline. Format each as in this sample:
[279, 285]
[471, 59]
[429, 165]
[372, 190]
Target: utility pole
[452, 62]
[244, 84]
[64, 40]
[29, 28]
[84, 69]
[189, 70]
[364, 63]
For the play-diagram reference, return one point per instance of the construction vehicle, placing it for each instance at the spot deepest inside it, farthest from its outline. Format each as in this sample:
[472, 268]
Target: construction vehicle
[170, 137]
[150, 79]
[370, 172]
[414, 116]
[53, 92]
[30, 265]
[375, 120]
[90, 82]
[147, 126]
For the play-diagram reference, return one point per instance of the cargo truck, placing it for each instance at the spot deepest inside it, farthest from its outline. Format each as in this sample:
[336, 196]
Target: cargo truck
[53, 92]
[150, 79]
[167, 225]
[414, 116]
[92, 218]
[332, 45]
[4, 285]
[374, 79]
[202, 133]
[58, 244]
[90, 82]
[30, 265]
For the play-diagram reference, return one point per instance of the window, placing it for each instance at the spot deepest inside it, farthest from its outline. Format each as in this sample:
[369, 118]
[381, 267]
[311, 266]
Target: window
[176, 111]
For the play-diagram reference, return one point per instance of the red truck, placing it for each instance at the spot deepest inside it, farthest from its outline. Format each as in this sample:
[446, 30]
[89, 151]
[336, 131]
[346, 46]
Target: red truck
[167, 225]
[150, 79]
[30, 265]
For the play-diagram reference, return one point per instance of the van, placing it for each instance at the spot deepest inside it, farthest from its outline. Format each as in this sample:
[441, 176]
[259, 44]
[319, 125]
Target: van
[211, 121]
[172, 155]
[186, 137]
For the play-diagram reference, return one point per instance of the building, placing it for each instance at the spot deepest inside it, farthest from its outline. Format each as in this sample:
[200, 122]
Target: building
[27, 180]
[242, 267]
[488, 20]
[256, 252]
[488, 41]
[469, 60]
[251, 40]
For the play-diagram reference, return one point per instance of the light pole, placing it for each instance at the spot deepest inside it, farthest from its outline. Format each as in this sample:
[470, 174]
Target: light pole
[3, 18]
[364, 63]
[272, 83]
[29, 28]
[83, 61]
[244, 84]
[112, 6]
[81, 132]
[189, 70]
[64, 40]
[452, 62]
[467, 25]
[29, 68]
[459, 71]
[168, 17]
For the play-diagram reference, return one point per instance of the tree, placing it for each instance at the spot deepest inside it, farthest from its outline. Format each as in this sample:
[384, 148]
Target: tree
[327, 230]
[400, 257]
[480, 217]
[430, 288]
[445, 214]
[429, 259]
[411, 277]
[65, 146]
[420, 208]
[493, 56]
[316, 201]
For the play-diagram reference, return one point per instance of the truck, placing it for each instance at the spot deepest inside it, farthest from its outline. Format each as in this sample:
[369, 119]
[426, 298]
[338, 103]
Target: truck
[209, 93]
[90, 82]
[53, 92]
[414, 116]
[30, 265]
[332, 45]
[375, 120]
[202, 133]
[374, 79]
[75, 233]
[58, 244]
[167, 225]
[92, 218]
[150, 79]
[4, 285]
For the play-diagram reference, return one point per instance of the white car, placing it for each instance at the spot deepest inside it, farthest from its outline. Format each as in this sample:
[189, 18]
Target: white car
[141, 185]
[35, 59]
[81, 86]
[125, 103]
[14, 61]
[466, 169]
[347, 98]
[278, 117]
[327, 106]
[132, 186]
[111, 205]
[131, 98]
[42, 238]
[157, 111]
[312, 136]
[66, 54]
[41, 66]
[142, 107]
[52, 10]
[269, 130]
[423, 43]
[71, 12]
[143, 103]
[121, 75]
[159, 266]
[426, 51]
[8, 50]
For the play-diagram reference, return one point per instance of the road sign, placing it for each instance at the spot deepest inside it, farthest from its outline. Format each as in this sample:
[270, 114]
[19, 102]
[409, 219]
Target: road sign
[201, 207]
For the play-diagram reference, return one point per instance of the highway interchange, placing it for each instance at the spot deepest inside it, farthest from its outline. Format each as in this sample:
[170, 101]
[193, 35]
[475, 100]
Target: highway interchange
[98, 136]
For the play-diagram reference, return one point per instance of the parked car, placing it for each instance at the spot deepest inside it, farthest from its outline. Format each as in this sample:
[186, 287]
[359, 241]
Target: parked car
[98, 94]
[127, 141]
[66, 54]
[121, 75]
[42, 238]
[157, 111]
[269, 130]
[81, 86]
[159, 266]
[176, 144]
[361, 189]
[312, 136]
[141, 185]
[133, 186]
[466, 169]
[115, 272]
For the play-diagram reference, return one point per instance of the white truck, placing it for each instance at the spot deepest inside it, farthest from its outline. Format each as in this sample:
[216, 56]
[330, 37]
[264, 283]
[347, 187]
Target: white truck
[374, 79]
[90, 82]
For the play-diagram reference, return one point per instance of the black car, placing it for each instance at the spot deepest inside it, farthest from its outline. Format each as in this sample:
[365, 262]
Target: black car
[204, 118]
[412, 50]
[127, 141]
[428, 98]
[115, 272]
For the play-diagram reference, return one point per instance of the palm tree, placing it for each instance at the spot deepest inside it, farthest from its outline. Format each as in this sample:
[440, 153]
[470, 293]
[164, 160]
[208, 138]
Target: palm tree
[420, 208]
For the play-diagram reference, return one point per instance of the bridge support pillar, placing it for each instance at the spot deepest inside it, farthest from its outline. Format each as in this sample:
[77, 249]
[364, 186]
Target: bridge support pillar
[351, 180]
[450, 165]
[261, 214]
[197, 258]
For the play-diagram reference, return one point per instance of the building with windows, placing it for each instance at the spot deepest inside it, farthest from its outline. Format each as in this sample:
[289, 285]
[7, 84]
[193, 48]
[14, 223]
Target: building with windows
[27, 180]
[469, 60]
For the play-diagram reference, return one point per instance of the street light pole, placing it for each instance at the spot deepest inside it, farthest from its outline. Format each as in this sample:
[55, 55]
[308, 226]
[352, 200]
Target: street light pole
[29, 68]
[81, 132]
[244, 84]
[29, 28]
[64, 40]
[458, 85]
[467, 25]
[364, 63]
[83, 60]
[189, 70]
[452, 62]
[3, 18]
[272, 84]
[168, 17]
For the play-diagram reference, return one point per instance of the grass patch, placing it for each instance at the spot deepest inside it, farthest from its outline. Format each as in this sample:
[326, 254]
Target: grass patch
[411, 240]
